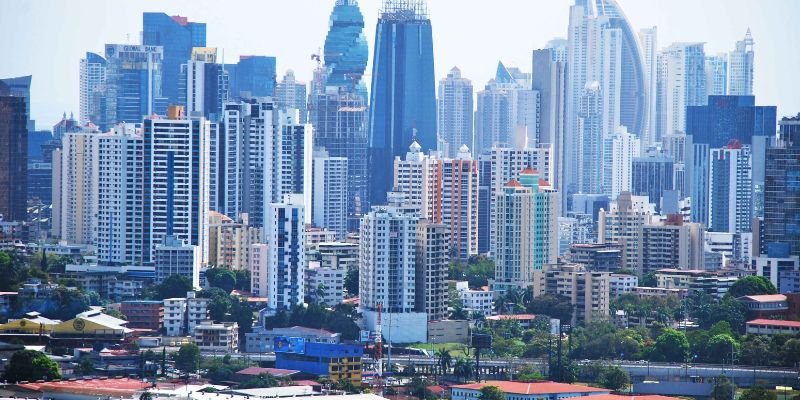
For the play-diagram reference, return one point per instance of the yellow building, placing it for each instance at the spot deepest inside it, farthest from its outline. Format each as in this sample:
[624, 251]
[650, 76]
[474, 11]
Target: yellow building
[88, 326]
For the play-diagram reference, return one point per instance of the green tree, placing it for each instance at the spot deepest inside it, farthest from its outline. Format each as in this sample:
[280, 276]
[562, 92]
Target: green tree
[188, 358]
[649, 280]
[351, 282]
[727, 309]
[671, 346]
[723, 389]
[758, 393]
[174, 286]
[418, 387]
[751, 285]
[86, 367]
[221, 277]
[10, 269]
[114, 313]
[614, 378]
[720, 347]
[791, 352]
[260, 381]
[242, 279]
[459, 313]
[491, 393]
[444, 359]
[146, 395]
[756, 350]
[554, 306]
[67, 303]
[30, 365]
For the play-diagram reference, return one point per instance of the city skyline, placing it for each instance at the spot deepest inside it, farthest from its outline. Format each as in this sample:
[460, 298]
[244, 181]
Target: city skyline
[475, 52]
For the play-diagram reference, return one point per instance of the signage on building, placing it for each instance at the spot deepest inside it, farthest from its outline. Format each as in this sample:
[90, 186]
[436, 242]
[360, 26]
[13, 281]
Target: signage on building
[288, 344]
[365, 336]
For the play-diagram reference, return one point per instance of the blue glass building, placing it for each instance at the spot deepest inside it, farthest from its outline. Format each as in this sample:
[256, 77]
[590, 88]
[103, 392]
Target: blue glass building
[177, 36]
[729, 117]
[338, 106]
[403, 98]
[651, 176]
[782, 190]
[252, 74]
[133, 84]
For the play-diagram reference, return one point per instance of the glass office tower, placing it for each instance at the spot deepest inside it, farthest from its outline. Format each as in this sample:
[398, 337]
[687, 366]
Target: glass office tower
[403, 99]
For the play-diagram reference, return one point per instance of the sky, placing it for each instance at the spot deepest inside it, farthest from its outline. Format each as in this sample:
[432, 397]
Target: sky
[47, 38]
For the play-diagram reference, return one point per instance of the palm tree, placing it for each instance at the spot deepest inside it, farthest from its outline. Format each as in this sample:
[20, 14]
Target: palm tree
[462, 368]
[445, 359]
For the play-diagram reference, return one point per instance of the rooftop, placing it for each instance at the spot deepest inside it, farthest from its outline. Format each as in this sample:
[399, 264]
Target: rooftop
[764, 298]
[515, 317]
[533, 387]
[624, 397]
[112, 387]
[775, 322]
[276, 372]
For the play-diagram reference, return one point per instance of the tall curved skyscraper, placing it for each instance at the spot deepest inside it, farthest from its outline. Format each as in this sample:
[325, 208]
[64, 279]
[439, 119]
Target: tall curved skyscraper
[346, 49]
[403, 99]
[634, 96]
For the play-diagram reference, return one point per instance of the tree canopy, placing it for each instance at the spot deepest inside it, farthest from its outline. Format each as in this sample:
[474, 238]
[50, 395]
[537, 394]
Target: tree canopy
[751, 285]
[187, 358]
[671, 346]
[174, 286]
[31, 365]
[491, 393]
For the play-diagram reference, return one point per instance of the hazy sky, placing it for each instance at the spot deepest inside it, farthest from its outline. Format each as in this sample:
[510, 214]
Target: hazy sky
[47, 38]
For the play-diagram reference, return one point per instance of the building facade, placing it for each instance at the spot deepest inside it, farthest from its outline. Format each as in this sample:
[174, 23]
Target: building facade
[455, 113]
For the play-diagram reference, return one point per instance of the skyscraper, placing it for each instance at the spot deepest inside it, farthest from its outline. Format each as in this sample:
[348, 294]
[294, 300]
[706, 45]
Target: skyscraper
[729, 117]
[651, 175]
[684, 84]
[527, 230]
[176, 181]
[648, 38]
[730, 189]
[432, 259]
[252, 76]
[741, 67]
[403, 98]
[455, 113]
[205, 87]
[21, 87]
[506, 111]
[13, 155]
[717, 75]
[133, 84]
[782, 191]
[338, 102]
[329, 196]
[549, 80]
[78, 185]
[625, 147]
[176, 35]
[291, 93]
[93, 77]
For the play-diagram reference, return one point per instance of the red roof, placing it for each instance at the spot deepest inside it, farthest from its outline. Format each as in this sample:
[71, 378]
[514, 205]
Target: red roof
[763, 298]
[183, 21]
[306, 382]
[276, 372]
[437, 390]
[775, 322]
[624, 397]
[513, 183]
[528, 171]
[515, 317]
[111, 387]
[533, 387]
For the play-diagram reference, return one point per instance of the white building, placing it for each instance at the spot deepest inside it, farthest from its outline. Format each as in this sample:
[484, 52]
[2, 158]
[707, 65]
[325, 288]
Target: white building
[286, 260]
[183, 314]
[682, 70]
[648, 38]
[622, 224]
[176, 181]
[717, 75]
[287, 166]
[455, 113]
[475, 300]
[325, 285]
[78, 187]
[782, 270]
[620, 284]
[625, 147]
[291, 94]
[175, 257]
[222, 337]
[740, 65]
[230, 242]
[506, 111]
[329, 196]
[387, 278]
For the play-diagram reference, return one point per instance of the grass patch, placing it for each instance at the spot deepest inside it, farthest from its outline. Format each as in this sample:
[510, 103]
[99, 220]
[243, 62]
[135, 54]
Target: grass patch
[455, 349]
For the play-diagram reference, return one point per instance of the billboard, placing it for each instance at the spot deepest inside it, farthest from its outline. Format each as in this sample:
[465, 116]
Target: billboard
[365, 336]
[287, 344]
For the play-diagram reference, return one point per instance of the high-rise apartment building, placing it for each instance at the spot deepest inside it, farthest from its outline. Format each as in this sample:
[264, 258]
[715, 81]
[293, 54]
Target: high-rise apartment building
[588, 291]
[329, 196]
[730, 189]
[549, 80]
[13, 155]
[175, 257]
[648, 38]
[506, 111]
[230, 242]
[387, 271]
[403, 98]
[526, 230]
[286, 260]
[651, 175]
[741, 61]
[93, 79]
[622, 224]
[682, 72]
[77, 185]
[204, 84]
[133, 85]
[625, 147]
[288, 159]
[176, 181]
[291, 94]
[455, 113]
[670, 244]
[432, 259]
[717, 75]
[177, 36]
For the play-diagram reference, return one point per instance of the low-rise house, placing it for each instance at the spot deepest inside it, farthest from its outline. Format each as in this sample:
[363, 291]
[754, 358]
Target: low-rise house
[771, 327]
[526, 390]
[222, 337]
